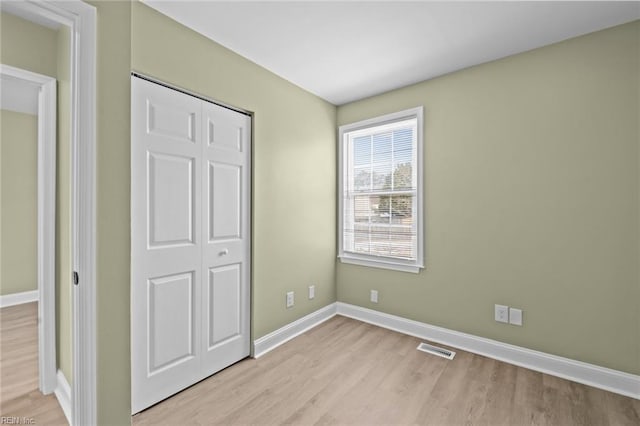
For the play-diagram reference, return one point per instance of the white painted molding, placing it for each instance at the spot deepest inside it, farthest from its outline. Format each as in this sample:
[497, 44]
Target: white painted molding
[282, 335]
[577, 371]
[63, 394]
[47, 152]
[85, 402]
[18, 298]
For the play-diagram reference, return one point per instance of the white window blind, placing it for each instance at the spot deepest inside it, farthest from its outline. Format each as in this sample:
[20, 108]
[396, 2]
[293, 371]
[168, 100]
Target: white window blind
[380, 200]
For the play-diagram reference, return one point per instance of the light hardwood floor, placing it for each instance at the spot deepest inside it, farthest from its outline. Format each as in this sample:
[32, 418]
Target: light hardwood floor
[341, 372]
[348, 372]
[19, 394]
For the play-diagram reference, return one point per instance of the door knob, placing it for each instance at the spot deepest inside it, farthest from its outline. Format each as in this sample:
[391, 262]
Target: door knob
[224, 252]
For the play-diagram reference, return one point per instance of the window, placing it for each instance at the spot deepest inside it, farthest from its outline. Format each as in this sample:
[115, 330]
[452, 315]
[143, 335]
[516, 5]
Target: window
[380, 199]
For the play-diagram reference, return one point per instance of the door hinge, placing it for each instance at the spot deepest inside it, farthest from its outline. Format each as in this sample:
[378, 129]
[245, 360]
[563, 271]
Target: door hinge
[76, 278]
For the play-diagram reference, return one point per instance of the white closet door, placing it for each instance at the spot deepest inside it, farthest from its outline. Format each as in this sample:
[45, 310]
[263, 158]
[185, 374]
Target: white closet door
[189, 242]
[227, 156]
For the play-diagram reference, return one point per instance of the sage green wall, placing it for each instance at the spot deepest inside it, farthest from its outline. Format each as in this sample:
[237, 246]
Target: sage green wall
[294, 179]
[294, 169]
[46, 51]
[27, 45]
[532, 200]
[19, 39]
[18, 177]
[113, 212]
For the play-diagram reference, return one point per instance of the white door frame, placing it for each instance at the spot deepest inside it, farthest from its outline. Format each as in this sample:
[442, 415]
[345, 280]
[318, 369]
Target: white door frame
[81, 18]
[46, 223]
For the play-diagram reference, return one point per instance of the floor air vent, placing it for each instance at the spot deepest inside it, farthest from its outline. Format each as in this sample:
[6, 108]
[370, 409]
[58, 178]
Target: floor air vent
[434, 350]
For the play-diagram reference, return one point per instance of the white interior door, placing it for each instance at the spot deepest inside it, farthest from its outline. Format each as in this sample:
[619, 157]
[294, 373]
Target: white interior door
[227, 157]
[190, 237]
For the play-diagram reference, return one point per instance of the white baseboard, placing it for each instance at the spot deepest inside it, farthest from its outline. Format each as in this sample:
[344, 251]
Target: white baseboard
[18, 298]
[282, 335]
[592, 375]
[63, 393]
[577, 371]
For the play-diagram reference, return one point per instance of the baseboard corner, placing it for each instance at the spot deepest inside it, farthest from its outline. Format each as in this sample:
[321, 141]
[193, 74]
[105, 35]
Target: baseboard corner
[282, 335]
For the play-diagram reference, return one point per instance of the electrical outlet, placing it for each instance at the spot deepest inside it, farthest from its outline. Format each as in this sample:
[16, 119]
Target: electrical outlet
[515, 316]
[502, 313]
[374, 296]
[312, 291]
[290, 299]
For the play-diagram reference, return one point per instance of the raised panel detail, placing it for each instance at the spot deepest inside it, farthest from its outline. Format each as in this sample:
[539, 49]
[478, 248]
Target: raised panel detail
[224, 135]
[225, 186]
[224, 304]
[171, 320]
[171, 200]
[167, 121]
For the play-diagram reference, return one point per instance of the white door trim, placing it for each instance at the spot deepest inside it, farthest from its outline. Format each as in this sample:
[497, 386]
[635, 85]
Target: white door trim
[84, 384]
[46, 225]
[81, 18]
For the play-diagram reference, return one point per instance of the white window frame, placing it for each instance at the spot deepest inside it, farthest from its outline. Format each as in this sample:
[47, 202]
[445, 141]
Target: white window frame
[371, 260]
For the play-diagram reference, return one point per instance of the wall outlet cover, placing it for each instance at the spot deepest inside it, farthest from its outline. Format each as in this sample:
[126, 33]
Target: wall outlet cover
[515, 316]
[312, 291]
[501, 313]
[374, 296]
[290, 299]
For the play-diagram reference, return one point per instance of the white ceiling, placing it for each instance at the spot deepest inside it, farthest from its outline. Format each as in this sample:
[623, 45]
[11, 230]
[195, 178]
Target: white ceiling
[18, 95]
[348, 50]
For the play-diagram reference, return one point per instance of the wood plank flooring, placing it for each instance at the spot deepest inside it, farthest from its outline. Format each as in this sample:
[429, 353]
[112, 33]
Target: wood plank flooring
[348, 372]
[19, 394]
[341, 372]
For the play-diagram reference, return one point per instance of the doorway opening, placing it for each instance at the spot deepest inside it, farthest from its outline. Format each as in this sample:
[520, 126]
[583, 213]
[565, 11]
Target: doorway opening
[79, 19]
[32, 94]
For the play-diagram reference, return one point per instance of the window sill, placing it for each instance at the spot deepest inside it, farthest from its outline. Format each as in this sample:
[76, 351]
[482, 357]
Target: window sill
[402, 267]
